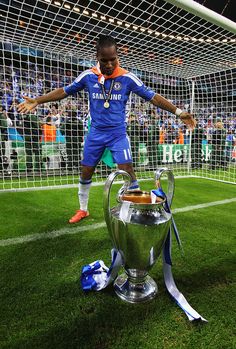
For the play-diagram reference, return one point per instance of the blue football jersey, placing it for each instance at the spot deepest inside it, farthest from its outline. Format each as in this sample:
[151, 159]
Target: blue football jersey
[114, 116]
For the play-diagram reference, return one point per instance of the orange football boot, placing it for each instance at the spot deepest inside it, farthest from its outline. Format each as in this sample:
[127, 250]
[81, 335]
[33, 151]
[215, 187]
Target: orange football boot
[80, 214]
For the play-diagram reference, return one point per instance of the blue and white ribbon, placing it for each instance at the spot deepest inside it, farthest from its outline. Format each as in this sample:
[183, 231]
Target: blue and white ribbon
[160, 193]
[96, 276]
[167, 266]
[171, 286]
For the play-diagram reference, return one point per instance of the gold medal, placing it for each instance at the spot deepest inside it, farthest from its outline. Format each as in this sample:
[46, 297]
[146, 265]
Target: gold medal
[107, 96]
[106, 104]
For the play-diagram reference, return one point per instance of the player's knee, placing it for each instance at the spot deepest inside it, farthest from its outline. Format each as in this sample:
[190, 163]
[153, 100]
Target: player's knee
[87, 172]
[126, 167]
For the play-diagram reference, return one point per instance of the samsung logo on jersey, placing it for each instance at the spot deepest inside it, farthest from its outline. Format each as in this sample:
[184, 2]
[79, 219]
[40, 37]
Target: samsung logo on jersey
[114, 97]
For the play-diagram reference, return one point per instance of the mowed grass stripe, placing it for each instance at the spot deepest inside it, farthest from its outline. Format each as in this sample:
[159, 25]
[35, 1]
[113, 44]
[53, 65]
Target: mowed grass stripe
[39, 212]
[65, 231]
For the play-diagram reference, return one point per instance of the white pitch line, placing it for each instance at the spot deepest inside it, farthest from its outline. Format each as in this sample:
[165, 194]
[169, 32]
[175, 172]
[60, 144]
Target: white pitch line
[51, 235]
[208, 204]
[77, 229]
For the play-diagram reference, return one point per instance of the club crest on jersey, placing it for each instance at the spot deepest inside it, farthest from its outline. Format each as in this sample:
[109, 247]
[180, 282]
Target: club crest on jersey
[117, 86]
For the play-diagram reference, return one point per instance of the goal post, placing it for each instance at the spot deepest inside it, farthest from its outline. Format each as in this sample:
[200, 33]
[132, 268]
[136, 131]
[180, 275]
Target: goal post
[197, 9]
[176, 51]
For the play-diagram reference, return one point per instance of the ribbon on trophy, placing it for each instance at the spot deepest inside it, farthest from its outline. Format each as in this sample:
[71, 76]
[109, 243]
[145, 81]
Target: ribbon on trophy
[160, 193]
[192, 314]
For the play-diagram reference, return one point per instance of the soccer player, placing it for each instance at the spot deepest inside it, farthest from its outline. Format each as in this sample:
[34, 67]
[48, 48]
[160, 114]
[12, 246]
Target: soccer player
[109, 87]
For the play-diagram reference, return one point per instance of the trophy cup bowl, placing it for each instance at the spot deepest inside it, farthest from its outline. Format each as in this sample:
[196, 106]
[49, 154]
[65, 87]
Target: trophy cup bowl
[138, 229]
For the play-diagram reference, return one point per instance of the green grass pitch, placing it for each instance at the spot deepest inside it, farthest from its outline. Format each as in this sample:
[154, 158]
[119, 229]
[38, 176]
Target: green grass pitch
[42, 304]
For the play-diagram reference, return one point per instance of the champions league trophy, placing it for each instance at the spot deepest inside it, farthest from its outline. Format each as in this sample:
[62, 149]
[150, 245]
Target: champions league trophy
[138, 227]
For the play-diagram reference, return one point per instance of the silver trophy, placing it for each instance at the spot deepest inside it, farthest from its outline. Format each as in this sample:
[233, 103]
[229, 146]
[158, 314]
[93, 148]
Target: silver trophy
[138, 229]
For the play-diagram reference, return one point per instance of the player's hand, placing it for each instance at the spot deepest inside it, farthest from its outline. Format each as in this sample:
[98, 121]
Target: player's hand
[28, 105]
[188, 120]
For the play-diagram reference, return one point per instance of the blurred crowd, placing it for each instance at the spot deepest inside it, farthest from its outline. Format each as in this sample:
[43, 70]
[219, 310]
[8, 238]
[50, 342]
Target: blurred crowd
[68, 121]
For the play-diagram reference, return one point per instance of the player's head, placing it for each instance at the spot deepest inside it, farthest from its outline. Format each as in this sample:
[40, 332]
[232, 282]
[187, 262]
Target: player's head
[107, 54]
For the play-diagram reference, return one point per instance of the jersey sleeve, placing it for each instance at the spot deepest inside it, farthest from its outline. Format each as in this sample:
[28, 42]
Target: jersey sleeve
[138, 87]
[79, 84]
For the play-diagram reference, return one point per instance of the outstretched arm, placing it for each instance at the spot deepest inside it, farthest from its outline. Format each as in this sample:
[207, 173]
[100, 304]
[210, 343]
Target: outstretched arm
[163, 103]
[31, 103]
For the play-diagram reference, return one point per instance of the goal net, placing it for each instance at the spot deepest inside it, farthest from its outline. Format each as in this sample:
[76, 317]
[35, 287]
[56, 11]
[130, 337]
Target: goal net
[190, 61]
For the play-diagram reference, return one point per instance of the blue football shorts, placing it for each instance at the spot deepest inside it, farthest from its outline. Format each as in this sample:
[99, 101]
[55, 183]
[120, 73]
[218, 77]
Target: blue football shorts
[97, 141]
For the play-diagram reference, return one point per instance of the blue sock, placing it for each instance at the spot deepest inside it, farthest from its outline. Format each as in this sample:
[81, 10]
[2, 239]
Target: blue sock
[134, 185]
[85, 181]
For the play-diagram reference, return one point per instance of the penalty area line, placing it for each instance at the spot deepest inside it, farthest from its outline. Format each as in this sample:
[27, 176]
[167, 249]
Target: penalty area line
[77, 229]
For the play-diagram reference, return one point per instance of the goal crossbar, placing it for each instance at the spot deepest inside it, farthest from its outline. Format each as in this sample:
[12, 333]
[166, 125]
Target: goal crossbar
[205, 13]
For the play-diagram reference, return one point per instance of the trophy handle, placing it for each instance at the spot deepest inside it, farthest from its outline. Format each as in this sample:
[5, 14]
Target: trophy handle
[171, 183]
[106, 195]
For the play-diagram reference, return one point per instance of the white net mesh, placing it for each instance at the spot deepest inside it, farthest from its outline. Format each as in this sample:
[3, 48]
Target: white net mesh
[184, 58]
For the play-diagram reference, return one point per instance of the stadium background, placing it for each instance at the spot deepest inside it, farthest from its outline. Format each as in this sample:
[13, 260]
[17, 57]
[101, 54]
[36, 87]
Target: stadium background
[196, 71]
[188, 60]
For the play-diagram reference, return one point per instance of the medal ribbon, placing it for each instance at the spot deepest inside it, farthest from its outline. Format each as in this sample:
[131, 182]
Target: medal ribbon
[106, 96]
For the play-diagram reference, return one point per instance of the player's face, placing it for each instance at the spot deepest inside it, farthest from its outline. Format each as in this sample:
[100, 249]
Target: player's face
[108, 59]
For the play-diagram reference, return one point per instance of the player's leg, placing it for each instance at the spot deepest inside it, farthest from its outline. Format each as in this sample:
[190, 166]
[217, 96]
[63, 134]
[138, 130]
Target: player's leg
[85, 182]
[121, 152]
[128, 167]
[93, 150]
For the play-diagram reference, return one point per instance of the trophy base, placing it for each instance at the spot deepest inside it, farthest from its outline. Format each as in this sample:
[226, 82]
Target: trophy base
[135, 291]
